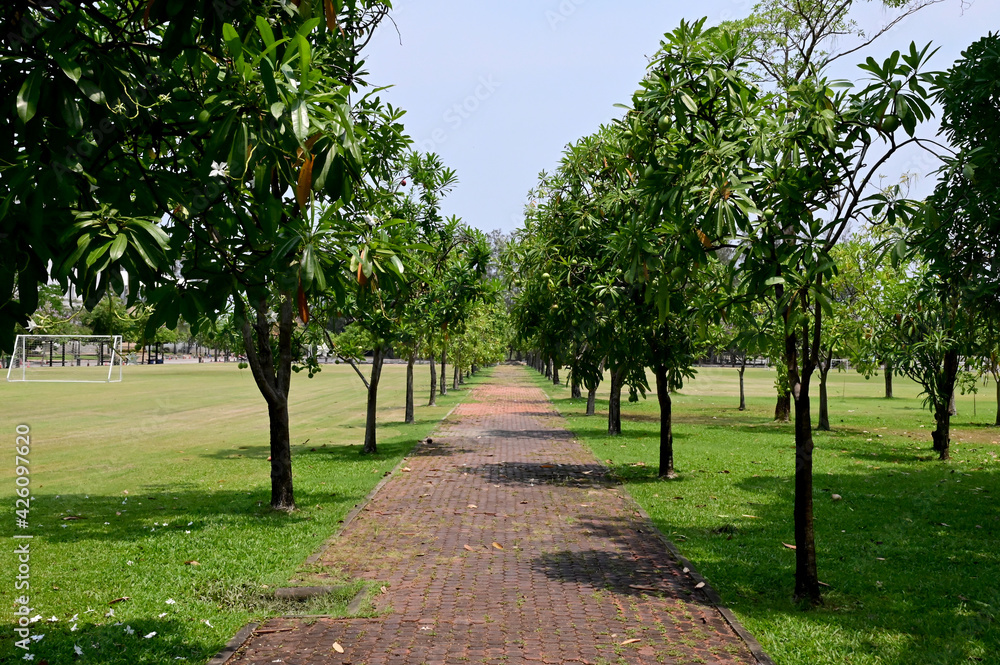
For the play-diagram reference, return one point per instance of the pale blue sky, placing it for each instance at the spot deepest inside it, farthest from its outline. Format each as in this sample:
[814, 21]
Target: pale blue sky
[499, 88]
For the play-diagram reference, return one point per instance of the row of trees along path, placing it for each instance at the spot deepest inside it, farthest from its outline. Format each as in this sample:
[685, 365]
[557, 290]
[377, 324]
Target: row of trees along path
[504, 541]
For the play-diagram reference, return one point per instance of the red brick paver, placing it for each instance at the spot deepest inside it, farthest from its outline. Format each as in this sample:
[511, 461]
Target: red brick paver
[581, 576]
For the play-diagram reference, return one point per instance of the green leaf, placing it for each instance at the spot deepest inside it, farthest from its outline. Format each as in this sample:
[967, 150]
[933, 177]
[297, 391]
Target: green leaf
[71, 112]
[238, 152]
[774, 281]
[27, 97]
[69, 67]
[92, 91]
[270, 89]
[277, 109]
[96, 254]
[118, 246]
[233, 41]
[264, 28]
[688, 102]
[300, 120]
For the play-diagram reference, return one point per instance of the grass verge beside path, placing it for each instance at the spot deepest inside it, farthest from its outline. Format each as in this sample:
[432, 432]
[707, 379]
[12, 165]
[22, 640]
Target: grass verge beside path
[157, 490]
[911, 553]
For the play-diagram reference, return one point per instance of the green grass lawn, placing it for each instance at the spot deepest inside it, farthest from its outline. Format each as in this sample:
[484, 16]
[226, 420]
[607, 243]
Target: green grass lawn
[911, 553]
[167, 479]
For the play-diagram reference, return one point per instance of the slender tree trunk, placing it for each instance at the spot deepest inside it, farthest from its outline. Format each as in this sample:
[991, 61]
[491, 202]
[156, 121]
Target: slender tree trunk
[575, 391]
[548, 368]
[806, 575]
[942, 409]
[783, 407]
[952, 408]
[888, 379]
[996, 380]
[555, 374]
[743, 395]
[282, 495]
[444, 361]
[592, 402]
[410, 418]
[666, 423]
[456, 374]
[434, 387]
[377, 358]
[615, 403]
[824, 404]
[273, 378]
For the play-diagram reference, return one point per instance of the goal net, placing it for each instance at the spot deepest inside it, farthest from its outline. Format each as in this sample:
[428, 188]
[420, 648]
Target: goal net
[66, 359]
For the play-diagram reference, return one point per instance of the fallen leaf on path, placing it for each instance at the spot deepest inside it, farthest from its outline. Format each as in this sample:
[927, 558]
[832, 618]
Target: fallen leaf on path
[472, 505]
[791, 547]
[498, 546]
[407, 469]
[632, 641]
[120, 600]
[699, 585]
[337, 647]
[470, 548]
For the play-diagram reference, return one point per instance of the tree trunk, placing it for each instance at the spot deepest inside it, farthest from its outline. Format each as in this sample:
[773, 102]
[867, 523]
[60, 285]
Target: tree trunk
[824, 405]
[434, 387]
[410, 418]
[444, 362]
[888, 379]
[377, 358]
[806, 575]
[783, 407]
[575, 391]
[996, 380]
[615, 403]
[273, 378]
[743, 395]
[555, 373]
[282, 495]
[592, 403]
[456, 374]
[666, 424]
[952, 408]
[942, 407]
[548, 368]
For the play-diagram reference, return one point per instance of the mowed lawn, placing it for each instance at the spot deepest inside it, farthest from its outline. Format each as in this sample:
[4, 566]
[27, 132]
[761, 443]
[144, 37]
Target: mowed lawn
[910, 554]
[156, 490]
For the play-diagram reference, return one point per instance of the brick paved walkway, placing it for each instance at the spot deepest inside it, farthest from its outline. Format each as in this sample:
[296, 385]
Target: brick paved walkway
[504, 542]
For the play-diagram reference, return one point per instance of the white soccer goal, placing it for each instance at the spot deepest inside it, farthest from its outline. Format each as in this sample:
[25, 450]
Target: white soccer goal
[66, 359]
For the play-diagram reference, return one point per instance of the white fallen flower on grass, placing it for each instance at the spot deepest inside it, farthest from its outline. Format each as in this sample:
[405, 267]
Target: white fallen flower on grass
[129, 630]
[171, 601]
[110, 613]
[78, 650]
[208, 624]
[38, 638]
[152, 634]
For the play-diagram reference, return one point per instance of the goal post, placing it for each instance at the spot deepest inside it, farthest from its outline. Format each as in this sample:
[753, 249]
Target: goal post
[66, 359]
